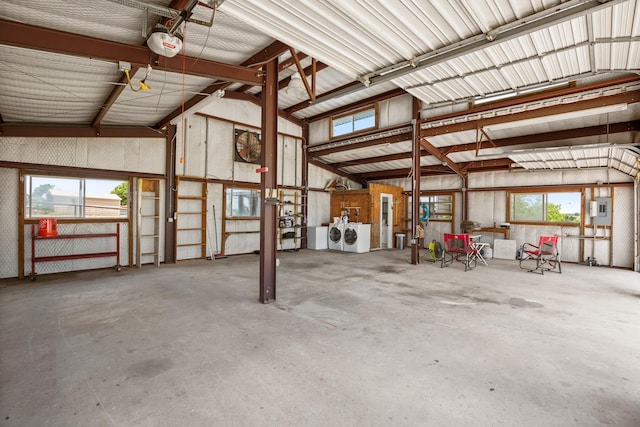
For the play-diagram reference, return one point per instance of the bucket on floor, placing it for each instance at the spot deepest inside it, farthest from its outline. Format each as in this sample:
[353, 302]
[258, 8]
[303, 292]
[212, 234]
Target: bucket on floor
[47, 227]
[487, 252]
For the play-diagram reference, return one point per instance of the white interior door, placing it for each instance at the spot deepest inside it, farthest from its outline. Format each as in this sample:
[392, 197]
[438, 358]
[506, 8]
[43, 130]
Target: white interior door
[386, 221]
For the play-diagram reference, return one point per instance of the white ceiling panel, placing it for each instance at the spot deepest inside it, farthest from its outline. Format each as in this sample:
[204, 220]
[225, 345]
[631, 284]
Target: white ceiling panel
[373, 167]
[373, 151]
[42, 87]
[101, 19]
[338, 102]
[228, 40]
[149, 107]
[423, 47]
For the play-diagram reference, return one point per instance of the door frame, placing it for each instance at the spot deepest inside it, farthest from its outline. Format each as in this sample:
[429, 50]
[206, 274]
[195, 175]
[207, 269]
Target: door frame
[389, 219]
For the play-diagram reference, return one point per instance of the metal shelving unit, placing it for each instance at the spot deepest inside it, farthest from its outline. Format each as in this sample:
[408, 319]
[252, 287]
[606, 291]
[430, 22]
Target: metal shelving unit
[145, 216]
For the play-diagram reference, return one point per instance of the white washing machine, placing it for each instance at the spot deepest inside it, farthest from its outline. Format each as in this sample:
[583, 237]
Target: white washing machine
[335, 237]
[357, 237]
[317, 238]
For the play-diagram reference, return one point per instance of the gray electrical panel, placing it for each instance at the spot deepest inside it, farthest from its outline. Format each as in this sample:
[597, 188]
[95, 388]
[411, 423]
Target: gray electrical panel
[603, 216]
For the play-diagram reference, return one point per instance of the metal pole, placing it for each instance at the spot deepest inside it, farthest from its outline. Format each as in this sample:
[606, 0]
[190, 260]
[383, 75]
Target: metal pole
[268, 183]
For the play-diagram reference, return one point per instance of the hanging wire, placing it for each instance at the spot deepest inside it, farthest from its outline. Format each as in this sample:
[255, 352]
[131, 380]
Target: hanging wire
[213, 18]
[164, 82]
[143, 85]
[184, 69]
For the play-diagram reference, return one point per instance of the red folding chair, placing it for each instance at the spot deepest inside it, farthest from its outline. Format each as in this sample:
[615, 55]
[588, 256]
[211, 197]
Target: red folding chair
[545, 255]
[457, 248]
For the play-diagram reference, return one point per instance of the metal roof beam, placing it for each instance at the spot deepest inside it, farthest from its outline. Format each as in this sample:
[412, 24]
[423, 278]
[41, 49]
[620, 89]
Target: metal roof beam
[435, 151]
[485, 166]
[391, 139]
[176, 6]
[354, 105]
[266, 54]
[492, 164]
[404, 172]
[46, 39]
[614, 128]
[37, 131]
[369, 160]
[626, 97]
[112, 98]
[337, 171]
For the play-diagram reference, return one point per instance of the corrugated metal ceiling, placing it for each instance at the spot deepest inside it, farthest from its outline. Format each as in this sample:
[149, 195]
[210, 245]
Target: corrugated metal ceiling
[438, 51]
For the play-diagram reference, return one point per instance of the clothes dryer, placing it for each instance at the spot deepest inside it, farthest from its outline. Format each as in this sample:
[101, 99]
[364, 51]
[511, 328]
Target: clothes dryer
[357, 237]
[335, 239]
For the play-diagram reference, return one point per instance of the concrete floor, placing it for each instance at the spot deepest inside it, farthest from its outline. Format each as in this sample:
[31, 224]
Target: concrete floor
[352, 340]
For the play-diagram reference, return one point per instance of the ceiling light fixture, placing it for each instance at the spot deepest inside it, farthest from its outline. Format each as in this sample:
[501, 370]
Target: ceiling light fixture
[296, 87]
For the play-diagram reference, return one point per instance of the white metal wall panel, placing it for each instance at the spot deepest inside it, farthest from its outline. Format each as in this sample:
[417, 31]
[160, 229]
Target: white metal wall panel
[235, 111]
[246, 172]
[319, 178]
[569, 247]
[9, 223]
[195, 147]
[443, 182]
[209, 144]
[214, 228]
[394, 111]
[151, 155]
[528, 178]
[147, 226]
[190, 220]
[483, 209]
[623, 227]
[77, 246]
[319, 211]
[318, 132]
[403, 183]
[598, 247]
[220, 150]
[435, 231]
[99, 153]
[290, 161]
[242, 237]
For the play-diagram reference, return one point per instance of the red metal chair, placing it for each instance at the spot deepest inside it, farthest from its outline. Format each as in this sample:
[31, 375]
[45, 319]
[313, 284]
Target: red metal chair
[457, 248]
[545, 255]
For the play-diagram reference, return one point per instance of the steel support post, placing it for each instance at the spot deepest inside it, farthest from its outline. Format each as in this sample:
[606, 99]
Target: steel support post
[268, 184]
[415, 185]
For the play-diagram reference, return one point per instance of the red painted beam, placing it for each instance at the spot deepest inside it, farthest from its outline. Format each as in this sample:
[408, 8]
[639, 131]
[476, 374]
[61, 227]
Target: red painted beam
[49, 40]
